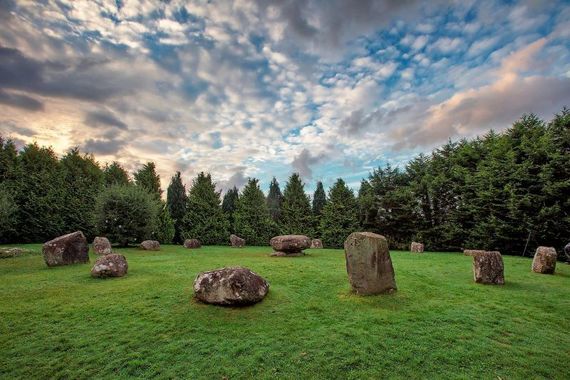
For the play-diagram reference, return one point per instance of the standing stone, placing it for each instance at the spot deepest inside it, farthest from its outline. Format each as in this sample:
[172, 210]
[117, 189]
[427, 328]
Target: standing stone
[236, 241]
[316, 243]
[417, 247]
[289, 245]
[102, 246]
[111, 265]
[544, 260]
[472, 252]
[488, 268]
[150, 245]
[368, 264]
[67, 249]
[192, 243]
[230, 287]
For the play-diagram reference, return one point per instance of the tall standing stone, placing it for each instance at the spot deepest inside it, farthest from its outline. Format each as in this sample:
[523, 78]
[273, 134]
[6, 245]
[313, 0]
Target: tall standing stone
[544, 260]
[67, 249]
[488, 268]
[368, 263]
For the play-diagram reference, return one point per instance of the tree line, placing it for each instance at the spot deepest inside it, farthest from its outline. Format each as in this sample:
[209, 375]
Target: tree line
[504, 191]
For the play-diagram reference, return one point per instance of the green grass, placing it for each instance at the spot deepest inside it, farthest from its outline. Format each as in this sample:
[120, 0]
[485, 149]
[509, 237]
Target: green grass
[61, 323]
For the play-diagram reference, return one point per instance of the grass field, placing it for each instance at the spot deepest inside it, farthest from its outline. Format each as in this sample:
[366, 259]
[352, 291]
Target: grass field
[61, 323]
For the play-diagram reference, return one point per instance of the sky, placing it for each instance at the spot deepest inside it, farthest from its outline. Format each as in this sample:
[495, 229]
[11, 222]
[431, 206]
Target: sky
[325, 88]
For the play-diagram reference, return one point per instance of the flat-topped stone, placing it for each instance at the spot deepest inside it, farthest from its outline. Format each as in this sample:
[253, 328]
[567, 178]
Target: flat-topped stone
[289, 245]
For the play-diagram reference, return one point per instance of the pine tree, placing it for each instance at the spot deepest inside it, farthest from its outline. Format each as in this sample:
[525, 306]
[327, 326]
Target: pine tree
[274, 200]
[39, 195]
[296, 214]
[319, 200]
[147, 178]
[83, 181]
[340, 215]
[229, 206]
[204, 219]
[252, 219]
[115, 175]
[164, 227]
[176, 200]
[366, 211]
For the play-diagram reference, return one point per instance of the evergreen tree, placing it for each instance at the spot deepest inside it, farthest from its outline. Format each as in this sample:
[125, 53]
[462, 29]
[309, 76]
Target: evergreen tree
[319, 199]
[8, 163]
[229, 206]
[8, 213]
[147, 178]
[366, 210]
[82, 181]
[296, 214]
[204, 219]
[176, 200]
[339, 215]
[164, 227]
[274, 200]
[39, 195]
[126, 214]
[252, 218]
[115, 175]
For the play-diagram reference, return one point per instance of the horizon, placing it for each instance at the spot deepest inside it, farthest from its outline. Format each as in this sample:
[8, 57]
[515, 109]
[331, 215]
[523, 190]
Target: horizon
[247, 89]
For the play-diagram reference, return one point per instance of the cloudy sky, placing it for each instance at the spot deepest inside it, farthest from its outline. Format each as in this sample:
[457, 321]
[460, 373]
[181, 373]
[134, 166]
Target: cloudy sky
[327, 88]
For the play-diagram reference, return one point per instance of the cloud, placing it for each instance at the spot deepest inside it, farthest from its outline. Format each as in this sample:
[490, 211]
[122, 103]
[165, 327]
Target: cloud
[104, 118]
[21, 101]
[303, 161]
[237, 179]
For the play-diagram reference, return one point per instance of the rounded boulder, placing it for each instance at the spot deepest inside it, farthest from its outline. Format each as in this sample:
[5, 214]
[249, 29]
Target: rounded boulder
[111, 265]
[235, 286]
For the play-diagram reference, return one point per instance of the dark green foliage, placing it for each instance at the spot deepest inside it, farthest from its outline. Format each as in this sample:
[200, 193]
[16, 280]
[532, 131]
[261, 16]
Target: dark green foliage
[8, 163]
[115, 175]
[8, 213]
[39, 195]
[339, 215]
[252, 219]
[204, 219]
[83, 180]
[126, 214]
[176, 202]
[366, 210]
[164, 228]
[274, 200]
[229, 206]
[319, 199]
[147, 178]
[296, 213]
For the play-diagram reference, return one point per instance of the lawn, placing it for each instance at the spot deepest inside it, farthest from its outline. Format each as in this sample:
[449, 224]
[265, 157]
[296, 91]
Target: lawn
[61, 323]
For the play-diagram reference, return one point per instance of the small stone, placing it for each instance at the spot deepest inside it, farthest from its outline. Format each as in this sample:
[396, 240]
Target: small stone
[368, 264]
[417, 247]
[488, 268]
[110, 265]
[102, 246]
[236, 241]
[150, 245]
[230, 287]
[192, 243]
[67, 249]
[316, 244]
[544, 260]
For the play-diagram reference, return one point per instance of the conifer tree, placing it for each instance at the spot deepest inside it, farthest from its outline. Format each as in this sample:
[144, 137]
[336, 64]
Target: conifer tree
[340, 215]
[366, 210]
[176, 200]
[39, 195]
[82, 181]
[204, 219]
[319, 199]
[148, 179]
[274, 200]
[252, 219]
[164, 229]
[296, 214]
[115, 175]
[229, 206]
